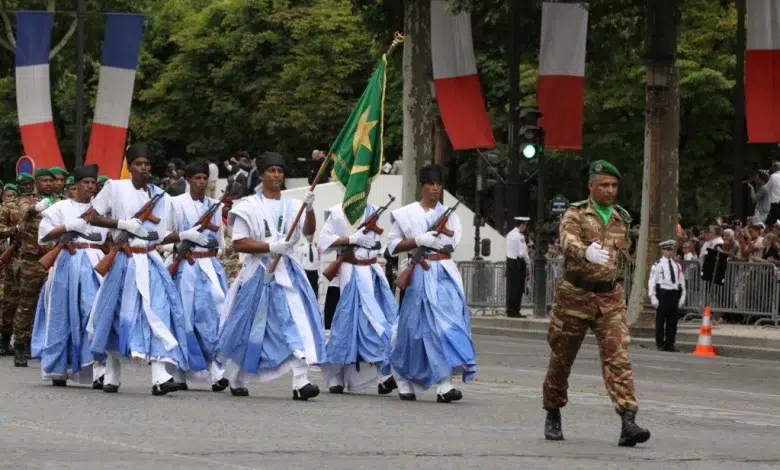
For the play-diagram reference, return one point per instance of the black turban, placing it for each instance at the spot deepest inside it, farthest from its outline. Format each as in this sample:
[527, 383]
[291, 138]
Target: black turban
[430, 174]
[137, 151]
[196, 167]
[269, 159]
[86, 171]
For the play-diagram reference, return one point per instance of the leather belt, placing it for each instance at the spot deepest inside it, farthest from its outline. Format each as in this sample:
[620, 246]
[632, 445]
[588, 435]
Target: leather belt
[438, 256]
[85, 246]
[193, 255]
[138, 250]
[602, 287]
[361, 262]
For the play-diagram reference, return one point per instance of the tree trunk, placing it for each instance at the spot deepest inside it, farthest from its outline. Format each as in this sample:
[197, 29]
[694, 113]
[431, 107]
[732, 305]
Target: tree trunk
[662, 137]
[419, 118]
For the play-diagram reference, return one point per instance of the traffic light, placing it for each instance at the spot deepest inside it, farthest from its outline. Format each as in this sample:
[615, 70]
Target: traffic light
[530, 135]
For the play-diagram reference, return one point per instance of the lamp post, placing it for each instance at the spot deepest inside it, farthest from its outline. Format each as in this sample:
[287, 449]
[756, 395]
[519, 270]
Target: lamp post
[477, 212]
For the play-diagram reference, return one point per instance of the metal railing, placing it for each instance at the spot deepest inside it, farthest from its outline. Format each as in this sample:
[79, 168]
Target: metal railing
[750, 289]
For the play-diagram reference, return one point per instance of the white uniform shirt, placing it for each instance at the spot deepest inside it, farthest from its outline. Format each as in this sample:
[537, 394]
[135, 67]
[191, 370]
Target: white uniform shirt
[516, 246]
[660, 276]
[774, 187]
[302, 253]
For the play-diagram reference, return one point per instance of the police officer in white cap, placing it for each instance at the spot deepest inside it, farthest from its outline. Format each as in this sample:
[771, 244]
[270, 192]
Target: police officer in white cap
[517, 264]
[666, 289]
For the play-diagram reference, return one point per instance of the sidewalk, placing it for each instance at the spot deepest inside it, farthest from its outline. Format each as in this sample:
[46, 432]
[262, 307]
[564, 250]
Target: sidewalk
[743, 341]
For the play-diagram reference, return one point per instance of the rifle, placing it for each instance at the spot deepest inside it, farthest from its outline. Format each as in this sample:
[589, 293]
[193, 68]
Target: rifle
[143, 214]
[64, 241]
[184, 250]
[418, 254]
[9, 252]
[348, 253]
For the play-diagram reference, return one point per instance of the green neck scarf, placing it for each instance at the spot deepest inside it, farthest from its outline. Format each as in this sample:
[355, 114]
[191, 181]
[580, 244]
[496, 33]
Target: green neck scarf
[604, 211]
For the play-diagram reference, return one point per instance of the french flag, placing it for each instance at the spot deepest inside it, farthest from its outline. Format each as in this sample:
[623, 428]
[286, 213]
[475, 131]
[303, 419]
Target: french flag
[455, 78]
[115, 92]
[762, 71]
[33, 91]
[560, 87]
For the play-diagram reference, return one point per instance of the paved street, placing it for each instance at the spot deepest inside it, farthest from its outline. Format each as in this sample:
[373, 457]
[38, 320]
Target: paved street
[703, 413]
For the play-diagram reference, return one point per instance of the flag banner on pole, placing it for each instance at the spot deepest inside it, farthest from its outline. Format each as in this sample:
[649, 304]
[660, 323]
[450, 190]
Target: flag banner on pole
[115, 92]
[455, 78]
[762, 71]
[359, 150]
[33, 89]
[560, 87]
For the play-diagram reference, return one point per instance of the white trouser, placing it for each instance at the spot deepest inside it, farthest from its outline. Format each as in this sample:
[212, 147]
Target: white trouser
[113, 375]
[405, 387]
[98, 370]
[300, 370]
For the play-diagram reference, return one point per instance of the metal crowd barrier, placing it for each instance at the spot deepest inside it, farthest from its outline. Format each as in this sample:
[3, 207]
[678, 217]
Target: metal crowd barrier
[750, 289]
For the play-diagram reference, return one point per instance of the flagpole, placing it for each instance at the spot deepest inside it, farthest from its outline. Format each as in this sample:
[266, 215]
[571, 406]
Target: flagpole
[397, 39]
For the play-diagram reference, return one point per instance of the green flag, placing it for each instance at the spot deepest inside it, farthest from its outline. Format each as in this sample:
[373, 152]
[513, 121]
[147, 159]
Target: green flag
[358, 150]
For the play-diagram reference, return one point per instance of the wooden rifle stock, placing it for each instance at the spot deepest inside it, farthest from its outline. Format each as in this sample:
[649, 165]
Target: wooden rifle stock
[48, 260]
[204, 223]
[332, 270]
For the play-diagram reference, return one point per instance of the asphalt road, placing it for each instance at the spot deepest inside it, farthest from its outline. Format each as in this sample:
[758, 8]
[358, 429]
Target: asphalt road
[703, 413]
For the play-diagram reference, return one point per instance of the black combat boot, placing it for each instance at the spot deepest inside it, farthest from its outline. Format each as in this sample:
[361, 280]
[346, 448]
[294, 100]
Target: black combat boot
[20, 354]
[631, 434]
[387, 386]
[5, 346]
[553, 430]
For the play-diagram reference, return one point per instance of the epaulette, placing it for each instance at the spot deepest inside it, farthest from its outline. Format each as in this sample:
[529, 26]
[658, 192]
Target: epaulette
[623, 214]
[579, 203]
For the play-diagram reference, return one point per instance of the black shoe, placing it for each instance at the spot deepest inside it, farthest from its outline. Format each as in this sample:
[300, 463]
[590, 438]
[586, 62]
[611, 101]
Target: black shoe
[220, 385]
[239, 392]
[631, 434]
[20, 355]
[98, 384]
[671, 349]
[515, 315]
[660, 348]
[166, 388]
[387, 386]
[407, 396]
[110, 388]
[59, 382]
[183, 386]
[5, 346]
[336, 389]
[306, 392]
[449, 397]
[552, 426]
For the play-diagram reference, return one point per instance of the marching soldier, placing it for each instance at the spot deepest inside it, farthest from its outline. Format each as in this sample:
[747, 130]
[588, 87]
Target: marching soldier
[60, 179]
[666, 288]
[20, 220]
[517, 263]
[594, 238]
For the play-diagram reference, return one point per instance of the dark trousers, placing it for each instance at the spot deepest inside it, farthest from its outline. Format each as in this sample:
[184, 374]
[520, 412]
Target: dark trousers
[314, 280]
[332, 297]
[515, 285]
[666, 317]
[774, 214]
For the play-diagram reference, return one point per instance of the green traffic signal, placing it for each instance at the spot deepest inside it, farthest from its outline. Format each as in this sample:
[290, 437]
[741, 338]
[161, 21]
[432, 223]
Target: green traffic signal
[529, 151]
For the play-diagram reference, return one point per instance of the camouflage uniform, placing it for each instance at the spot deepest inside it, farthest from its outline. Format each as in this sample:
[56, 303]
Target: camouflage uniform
[575, 309]
[10, 216]
[230, 261]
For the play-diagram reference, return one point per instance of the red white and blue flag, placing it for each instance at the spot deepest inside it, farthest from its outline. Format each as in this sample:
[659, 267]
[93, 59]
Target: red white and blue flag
[762, 71]
[33, 90]
[115, 92]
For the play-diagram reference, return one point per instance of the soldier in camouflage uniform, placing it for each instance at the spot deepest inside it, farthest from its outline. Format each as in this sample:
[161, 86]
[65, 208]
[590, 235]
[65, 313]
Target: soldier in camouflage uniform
[21, 222]
[594, 238]
[10, 216]
[10, 191]
[60, 178]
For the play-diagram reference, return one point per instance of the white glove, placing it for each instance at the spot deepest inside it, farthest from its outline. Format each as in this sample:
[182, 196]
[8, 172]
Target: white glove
[280, 247]
[596, 255]
[308, 199]
[194, 236]
[361, 239]
[133, 226]
[78, 225]
[42, 205]
[681, 302]
[429, 240]
[654, 301]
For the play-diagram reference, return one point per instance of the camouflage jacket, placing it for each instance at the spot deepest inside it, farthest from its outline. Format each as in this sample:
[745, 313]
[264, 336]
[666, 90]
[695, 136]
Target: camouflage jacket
[580, 226]
[12, 214]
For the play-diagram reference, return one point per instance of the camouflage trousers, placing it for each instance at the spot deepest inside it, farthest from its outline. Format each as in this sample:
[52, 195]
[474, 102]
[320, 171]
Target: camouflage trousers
[565, 336]
[10, 297]
[32, 276]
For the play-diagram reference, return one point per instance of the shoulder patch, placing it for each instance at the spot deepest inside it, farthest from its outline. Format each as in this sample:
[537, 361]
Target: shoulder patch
[579, 203]
[623, 214]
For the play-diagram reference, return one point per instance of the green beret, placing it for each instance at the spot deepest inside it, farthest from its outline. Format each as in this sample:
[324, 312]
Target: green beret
[43, 172]
[56, 171]
[11, 187]
[70, 181]
[24, 177]
[603, 167]
[102, 179]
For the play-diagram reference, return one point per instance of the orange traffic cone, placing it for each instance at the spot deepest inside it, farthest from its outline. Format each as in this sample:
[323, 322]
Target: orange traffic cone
[704, 346]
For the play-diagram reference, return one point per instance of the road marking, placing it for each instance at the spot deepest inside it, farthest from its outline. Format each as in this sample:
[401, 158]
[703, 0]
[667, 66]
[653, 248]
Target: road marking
[754, 394]
[147, 450]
